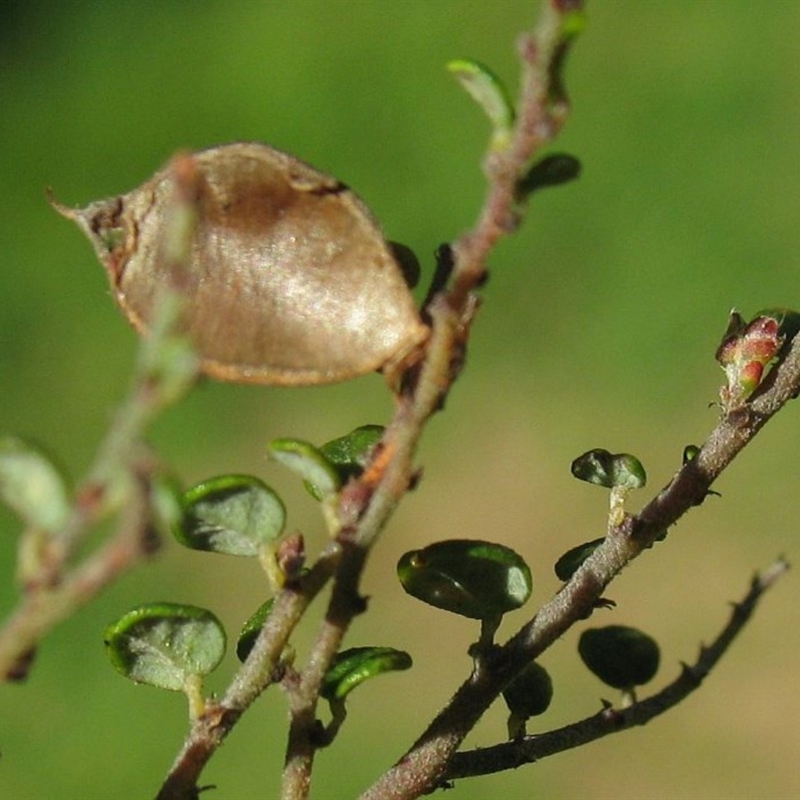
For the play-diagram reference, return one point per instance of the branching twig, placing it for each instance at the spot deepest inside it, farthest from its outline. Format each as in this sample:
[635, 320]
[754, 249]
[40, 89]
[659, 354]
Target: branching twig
[368, 502]
[119, 478]
[423, 767]
[513, 754]
[451, 316]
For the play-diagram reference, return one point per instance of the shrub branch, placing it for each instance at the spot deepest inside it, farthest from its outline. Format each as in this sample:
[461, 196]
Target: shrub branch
[513, 754]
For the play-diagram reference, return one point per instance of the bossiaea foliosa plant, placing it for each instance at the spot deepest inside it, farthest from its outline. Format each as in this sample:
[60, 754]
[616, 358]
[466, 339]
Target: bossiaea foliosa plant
[243, 263]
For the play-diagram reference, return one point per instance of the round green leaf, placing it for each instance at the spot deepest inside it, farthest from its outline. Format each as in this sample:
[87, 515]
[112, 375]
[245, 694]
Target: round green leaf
[165, 644]
[348, 454]
[31, 484]
[620, 656]
[352, 667]
[568, 564]
[602, 468]
[231, 514]
[472, 578]
[530, 693]
[308, 462]
[251, 628]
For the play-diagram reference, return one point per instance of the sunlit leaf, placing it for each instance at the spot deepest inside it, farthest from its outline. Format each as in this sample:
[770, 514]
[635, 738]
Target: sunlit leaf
[352, 667]
[490, 94]
[251, 628]
[472, 578]
[602, 468]
[308, 462]
[348, 454]
[231, 514]
[165, 644]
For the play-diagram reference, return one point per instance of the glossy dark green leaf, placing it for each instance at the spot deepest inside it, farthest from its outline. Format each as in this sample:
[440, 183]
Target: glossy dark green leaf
[472, 578]
[165, 644]
[231, 514]
[308, 462]
[553, 170]
[530, 693]
[567, 565]
[602, 468]
[251, 628]
[620, 656]
[352, 667]
[32, 485]
[348, 454]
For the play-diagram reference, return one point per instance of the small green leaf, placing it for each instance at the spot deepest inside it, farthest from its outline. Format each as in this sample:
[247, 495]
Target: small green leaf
[690, 453]
[628, 471]
[231, 514]
[490, 94]
[553, 170]
[602, 468]
[251, 628]
[352, 667]
[166, 644]
[473, 578]
[348, 454]
[530, 693]
[620, 656]
[31, 485]
[568, 564]
[308, 462]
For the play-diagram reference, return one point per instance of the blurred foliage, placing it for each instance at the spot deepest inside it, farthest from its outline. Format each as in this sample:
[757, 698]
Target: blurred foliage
[601, 323]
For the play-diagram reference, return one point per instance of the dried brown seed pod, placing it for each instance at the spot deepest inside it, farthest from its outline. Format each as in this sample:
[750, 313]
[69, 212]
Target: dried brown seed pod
[286, 274]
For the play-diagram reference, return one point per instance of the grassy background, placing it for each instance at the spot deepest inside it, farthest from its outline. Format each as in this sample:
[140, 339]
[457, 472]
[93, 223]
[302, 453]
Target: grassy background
[599, 331]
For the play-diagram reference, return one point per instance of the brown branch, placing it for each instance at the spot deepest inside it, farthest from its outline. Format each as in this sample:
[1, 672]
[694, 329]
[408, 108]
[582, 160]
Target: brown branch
[510, 755]
[260, 670]
[368, 503]
[118, 479]
[451, 314]
[425, 764]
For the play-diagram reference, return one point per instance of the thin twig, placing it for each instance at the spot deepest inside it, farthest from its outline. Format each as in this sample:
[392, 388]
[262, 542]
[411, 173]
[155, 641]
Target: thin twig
[513, 754]
[451, 315]
[424, 765]
[118, 479]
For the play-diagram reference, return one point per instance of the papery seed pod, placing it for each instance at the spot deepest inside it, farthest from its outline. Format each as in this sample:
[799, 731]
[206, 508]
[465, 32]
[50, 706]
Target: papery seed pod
[286, 275]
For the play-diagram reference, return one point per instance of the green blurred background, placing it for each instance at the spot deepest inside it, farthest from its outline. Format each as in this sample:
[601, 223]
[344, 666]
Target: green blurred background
[599, 330]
